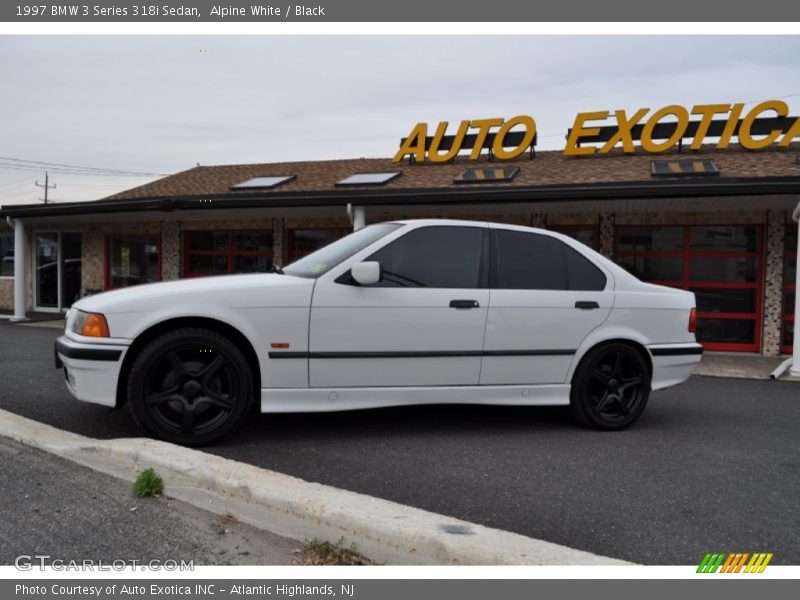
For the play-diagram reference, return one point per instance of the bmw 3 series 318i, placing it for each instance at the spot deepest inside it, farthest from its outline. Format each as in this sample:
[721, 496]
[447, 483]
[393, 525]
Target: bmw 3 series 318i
[396, 313]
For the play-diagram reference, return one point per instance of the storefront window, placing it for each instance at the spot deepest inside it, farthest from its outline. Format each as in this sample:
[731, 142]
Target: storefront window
[6, 255]
[650, 239]
[585, 235]
[300, 242]
[721, 264]
[726, 239]
[789, 286]
[223, 252]
[654, 268]
[133, 260]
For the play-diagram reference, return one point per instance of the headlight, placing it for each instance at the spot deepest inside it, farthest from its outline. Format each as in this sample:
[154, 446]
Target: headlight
[90, 324]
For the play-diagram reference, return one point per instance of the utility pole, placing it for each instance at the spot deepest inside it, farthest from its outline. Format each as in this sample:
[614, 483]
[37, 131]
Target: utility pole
[46, 185]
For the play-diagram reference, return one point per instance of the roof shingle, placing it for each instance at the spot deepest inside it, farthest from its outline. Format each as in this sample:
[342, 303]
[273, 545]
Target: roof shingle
[548, 168]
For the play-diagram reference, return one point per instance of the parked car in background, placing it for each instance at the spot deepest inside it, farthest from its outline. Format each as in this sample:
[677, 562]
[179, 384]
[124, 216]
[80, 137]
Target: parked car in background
[397, 313]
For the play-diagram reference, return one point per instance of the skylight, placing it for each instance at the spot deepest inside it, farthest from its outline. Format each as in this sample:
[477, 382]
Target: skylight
[370, 178]
[684, 168]
[261, 183]
[487, 175]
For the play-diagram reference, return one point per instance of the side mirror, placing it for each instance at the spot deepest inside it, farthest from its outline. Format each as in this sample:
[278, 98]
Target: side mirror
[366, 273]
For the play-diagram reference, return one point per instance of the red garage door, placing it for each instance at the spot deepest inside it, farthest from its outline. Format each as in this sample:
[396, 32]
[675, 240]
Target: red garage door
[721, 264]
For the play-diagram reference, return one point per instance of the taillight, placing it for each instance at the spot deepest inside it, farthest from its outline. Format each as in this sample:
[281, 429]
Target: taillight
[693, 321]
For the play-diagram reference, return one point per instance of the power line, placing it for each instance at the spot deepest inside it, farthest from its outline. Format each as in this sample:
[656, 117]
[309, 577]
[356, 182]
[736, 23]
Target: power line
[8, 197]
[63, 171]
[11, 188]
[6, 184]
[37, 164]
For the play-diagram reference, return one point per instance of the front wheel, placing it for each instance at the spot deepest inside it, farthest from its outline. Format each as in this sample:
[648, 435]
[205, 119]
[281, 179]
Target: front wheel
[610, 387]
[190, 386]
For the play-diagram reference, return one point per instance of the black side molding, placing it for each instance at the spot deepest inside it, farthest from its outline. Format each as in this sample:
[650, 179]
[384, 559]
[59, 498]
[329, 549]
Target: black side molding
[421, 354]
[102, 354]
[677, 351]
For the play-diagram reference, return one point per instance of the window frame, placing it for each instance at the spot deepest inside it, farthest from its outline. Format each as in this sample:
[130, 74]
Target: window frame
[127, 237]
[230, 253]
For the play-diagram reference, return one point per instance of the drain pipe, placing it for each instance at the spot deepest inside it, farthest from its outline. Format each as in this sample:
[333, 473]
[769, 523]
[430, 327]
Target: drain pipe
[776, 374]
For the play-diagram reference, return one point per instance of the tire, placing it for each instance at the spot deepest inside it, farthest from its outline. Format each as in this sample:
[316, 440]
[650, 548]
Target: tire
[190, 386]
[610, 387]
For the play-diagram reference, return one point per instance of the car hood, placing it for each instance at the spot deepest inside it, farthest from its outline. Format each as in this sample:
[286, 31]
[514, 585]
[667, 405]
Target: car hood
[235, 291]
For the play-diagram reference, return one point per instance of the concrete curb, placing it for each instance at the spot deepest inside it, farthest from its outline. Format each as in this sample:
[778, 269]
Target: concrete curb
[385, 531]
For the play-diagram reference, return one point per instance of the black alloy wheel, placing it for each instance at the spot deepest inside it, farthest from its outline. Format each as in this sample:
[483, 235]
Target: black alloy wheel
[190, 387]
[610, 387]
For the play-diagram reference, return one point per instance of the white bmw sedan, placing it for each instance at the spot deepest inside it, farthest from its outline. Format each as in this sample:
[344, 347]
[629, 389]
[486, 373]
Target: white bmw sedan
[398, 313]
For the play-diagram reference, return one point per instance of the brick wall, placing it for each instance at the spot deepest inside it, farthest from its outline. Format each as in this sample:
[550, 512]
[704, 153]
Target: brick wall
[6, 294]
[773, 283]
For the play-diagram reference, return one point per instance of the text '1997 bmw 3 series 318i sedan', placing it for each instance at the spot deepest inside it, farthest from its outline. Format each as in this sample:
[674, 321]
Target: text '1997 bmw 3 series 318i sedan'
[396, 313]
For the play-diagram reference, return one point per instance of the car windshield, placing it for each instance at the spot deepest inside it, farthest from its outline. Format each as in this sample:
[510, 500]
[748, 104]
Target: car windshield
[324, 259]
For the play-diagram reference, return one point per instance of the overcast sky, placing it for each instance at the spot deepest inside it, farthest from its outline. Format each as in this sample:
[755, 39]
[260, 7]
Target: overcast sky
[163, 104]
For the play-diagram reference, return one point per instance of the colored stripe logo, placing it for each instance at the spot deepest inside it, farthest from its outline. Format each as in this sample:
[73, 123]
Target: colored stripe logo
[736, 562]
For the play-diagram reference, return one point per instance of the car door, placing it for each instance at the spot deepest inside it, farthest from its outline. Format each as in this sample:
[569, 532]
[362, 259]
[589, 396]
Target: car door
[421, 325]
[545, 299]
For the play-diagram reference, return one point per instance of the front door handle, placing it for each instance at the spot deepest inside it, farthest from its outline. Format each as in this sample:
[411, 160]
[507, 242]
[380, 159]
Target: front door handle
[586, 304]
[464, 304]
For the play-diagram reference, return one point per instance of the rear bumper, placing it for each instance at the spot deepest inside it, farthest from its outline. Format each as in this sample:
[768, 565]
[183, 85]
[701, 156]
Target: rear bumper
[91, 371]
[674, 363]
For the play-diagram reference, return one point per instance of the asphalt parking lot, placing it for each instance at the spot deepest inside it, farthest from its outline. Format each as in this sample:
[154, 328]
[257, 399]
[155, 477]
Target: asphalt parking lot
[713, 464]
[54, 507]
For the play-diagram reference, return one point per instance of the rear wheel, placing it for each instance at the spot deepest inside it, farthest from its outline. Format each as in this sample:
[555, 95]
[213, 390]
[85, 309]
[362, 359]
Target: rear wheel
[610, 387]
[190, 386]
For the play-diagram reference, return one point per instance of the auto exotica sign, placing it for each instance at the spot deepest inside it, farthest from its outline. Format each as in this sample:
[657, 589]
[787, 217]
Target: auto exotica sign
[656, 131]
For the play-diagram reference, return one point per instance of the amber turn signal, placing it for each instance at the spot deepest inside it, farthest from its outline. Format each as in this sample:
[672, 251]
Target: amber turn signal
[693, 321]
[95, 325]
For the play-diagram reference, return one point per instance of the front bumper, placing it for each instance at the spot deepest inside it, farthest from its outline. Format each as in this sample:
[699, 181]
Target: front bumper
[674, 363]
[91, 371]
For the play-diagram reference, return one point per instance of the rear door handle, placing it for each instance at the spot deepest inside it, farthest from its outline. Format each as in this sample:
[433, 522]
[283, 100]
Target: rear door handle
[464, 304]
[586, 304]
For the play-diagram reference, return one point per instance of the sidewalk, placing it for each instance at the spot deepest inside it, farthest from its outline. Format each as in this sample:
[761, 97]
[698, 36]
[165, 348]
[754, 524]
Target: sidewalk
[739, 365]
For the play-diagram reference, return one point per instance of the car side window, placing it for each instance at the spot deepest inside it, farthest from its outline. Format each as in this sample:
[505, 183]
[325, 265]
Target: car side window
[582, 275]
[529, 261]
[435, 257]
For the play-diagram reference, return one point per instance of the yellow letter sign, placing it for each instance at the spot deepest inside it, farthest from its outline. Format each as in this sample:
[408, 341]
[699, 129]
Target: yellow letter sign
[414, 144]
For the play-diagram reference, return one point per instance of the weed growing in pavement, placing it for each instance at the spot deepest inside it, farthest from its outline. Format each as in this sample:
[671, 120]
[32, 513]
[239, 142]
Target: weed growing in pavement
[148, 483]
[316, 552]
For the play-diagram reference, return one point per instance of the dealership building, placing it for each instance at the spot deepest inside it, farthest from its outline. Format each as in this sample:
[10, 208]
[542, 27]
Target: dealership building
[718, 222]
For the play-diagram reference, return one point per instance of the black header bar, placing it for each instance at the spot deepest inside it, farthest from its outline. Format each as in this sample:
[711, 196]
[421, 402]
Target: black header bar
[363, 11]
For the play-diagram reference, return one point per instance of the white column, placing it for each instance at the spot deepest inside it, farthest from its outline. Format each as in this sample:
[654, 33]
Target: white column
[357, 216]
[795, 368]
[20, 286]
